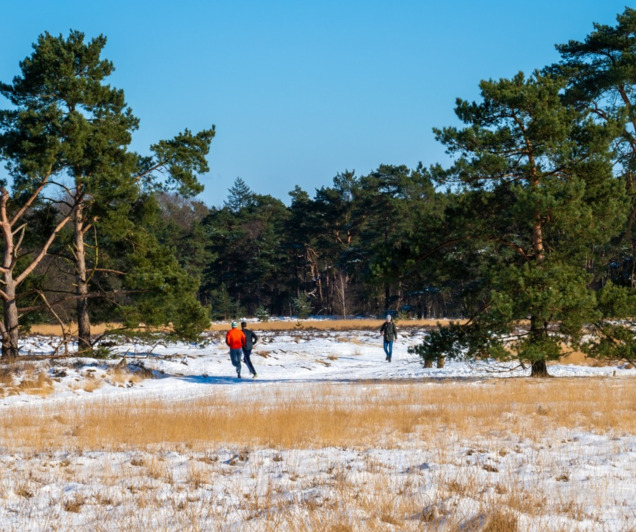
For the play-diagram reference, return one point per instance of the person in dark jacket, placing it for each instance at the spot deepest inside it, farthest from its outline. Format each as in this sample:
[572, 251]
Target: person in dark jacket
[250, 342]
[389, 332]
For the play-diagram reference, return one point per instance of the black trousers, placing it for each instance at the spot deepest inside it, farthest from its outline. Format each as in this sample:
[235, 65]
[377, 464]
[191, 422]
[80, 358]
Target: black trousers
[246, 358]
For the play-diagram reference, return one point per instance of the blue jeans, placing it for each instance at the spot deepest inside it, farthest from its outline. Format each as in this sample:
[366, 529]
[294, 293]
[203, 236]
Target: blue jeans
[388, 348]
[248, 361]
[235, 355]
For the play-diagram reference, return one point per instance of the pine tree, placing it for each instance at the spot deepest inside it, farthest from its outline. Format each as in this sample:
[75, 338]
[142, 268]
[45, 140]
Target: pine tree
[240, 196]
[601, 76]
[62, 102]
[538, 196]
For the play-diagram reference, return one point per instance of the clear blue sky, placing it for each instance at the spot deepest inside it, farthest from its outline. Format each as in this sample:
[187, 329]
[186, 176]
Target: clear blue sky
[301, 90]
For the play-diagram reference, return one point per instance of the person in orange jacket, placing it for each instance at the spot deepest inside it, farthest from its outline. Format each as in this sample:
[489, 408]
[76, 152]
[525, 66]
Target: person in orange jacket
[235, 339]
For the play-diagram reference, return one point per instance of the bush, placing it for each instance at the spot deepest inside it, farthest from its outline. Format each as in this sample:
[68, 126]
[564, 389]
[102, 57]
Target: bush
[438, 344]
[262, 314]
[302, 306]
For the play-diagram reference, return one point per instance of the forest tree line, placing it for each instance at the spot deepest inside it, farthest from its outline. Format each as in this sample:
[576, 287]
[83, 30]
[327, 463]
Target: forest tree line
[532, 222]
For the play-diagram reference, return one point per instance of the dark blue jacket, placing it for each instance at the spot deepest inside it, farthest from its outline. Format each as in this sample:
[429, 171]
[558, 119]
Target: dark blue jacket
[250, 339]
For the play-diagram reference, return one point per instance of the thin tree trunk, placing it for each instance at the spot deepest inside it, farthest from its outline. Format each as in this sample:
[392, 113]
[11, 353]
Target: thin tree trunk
[83, 318]
[537, 241]
[10, 334]
[539, 367]
[9, 326]
[342, 292]
[8, 289]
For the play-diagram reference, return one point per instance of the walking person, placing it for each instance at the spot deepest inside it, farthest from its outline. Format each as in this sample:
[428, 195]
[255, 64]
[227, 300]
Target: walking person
[250, 342]
[389, 332]
[235, 340]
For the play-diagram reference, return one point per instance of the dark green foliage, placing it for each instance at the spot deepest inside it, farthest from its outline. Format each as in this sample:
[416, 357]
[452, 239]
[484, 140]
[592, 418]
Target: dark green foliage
[161, 291]
[302, 306]
[223, 305]
[176, 163]
[249, 258]
[262, 314]
[540, 198]
[240, 197]
[65, 120]
[402, 222]
[601, 77]
[444, 341]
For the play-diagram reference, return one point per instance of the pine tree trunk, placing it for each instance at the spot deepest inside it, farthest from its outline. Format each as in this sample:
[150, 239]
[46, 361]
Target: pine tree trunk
[9, 284]
[441, 362]
[10, 334]
[342, 293]
[539, 369]
[83, 319]
[10, 322]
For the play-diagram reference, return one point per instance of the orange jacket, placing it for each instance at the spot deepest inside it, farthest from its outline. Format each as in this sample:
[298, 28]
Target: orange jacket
[235, 339]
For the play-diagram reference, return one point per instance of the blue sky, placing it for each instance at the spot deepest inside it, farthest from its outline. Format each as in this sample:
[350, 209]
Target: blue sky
[302, 90]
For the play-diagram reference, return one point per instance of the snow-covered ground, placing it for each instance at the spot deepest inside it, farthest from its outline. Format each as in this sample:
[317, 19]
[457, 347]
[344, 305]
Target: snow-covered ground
[587, 480]
[280, 357]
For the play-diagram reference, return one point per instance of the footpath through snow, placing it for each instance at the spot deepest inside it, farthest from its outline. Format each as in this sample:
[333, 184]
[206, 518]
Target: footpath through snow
[182, 370]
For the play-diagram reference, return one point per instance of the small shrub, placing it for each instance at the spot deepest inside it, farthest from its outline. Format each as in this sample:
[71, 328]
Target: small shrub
[102, 352]
[302, 306]
[262, 314]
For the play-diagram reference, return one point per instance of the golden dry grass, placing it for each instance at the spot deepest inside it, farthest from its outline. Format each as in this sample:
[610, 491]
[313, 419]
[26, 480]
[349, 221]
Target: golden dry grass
[331, 415]
[169, 462]
[22, 377]
[328, 324]
[55, 330]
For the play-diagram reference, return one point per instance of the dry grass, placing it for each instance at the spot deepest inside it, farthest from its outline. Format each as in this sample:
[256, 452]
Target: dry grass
[26, 378]
[328, 324]
[317, 457]
[125, 375]
[55, 330]
[331, 415]
[91, 384]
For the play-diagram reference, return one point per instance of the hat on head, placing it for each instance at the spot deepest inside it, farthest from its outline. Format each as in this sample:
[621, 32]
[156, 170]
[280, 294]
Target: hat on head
[243, 324]
[388, 317]
[233, 324]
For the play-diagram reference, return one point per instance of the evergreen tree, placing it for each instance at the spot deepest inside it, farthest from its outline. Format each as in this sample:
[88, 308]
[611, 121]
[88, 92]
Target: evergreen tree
[245, 239]
[335, 234]
[601, 75]
[400, 214]
[240, 196]
[538, 196]
[300, 247]
[62, 101]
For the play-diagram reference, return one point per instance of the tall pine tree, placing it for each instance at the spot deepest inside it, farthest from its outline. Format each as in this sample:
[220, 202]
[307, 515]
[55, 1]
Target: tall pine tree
[539, 197]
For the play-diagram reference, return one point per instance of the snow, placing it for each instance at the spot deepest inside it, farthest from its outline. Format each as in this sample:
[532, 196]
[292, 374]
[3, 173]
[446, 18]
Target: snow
[595, 470]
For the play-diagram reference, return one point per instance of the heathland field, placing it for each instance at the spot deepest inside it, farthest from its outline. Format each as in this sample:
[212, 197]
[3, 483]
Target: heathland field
[328, 437]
